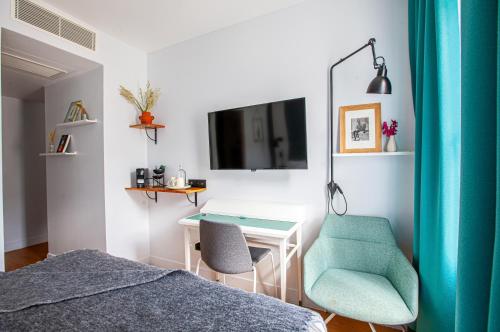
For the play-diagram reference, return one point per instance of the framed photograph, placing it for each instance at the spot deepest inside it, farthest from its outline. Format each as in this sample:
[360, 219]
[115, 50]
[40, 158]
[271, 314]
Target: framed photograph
[360, 128]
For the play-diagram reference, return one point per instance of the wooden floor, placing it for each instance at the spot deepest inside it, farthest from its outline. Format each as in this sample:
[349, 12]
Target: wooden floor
[26, 256]
[342, 324]
[18, 258]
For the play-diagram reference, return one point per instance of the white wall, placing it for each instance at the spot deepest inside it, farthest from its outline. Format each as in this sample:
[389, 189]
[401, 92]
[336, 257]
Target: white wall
[75, 185]
[2, 257]
[24, 185]
[280, 56]
[127, 228]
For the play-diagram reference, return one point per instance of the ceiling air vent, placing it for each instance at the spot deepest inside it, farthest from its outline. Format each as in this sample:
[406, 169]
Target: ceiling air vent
[30, 66]
[46, 20]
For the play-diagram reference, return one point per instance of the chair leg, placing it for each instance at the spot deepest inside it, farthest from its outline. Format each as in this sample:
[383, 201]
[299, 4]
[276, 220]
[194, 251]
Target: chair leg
[223, 279]
[198, 266]
[329, 318]
[372, 327]
[274, 275]
[254, 280]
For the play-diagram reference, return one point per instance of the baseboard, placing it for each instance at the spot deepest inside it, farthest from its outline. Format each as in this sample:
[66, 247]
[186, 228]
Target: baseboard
[237, 281]
[23, 243]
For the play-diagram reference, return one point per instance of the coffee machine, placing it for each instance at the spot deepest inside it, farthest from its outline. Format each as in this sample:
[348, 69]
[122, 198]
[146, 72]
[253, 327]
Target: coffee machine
[141, 177]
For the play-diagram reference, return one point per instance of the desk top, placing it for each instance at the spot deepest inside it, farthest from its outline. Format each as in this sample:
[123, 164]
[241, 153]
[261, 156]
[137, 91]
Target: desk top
[246, 222]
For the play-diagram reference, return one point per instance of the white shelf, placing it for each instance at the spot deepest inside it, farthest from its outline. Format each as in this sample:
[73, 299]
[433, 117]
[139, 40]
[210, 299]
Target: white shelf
[374, 154]
[76, 123]
[55, 154]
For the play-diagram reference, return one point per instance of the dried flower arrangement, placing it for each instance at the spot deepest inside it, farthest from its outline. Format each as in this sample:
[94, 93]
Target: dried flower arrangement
[144, 102]
[52, 137]
[391, 130]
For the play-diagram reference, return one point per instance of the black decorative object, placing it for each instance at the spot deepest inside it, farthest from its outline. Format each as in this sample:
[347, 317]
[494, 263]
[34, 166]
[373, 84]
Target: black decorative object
[197, 183]
[379, 85]
[159, 176]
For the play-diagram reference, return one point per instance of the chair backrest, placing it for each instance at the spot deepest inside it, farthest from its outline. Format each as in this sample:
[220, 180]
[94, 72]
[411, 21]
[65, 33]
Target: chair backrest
[359, 228]
[358, 243]
[224, 248]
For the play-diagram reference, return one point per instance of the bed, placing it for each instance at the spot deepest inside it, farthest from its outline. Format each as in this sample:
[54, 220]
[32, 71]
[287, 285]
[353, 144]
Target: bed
[93, 291]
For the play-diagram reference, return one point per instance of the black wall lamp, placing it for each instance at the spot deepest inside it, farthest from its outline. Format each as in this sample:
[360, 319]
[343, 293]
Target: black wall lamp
[379, 85]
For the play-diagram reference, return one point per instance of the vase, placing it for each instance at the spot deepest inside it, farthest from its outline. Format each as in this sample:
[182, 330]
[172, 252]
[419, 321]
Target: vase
[390, 145]
[146, 118]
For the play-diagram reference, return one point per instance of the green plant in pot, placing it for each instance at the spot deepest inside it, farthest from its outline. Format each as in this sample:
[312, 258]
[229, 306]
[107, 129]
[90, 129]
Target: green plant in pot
[144, 102]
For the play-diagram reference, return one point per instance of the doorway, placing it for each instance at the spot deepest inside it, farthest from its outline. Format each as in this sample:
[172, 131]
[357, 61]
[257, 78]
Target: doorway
[34, 76]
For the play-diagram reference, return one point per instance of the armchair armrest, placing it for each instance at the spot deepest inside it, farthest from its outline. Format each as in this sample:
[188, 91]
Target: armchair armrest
[405, 279]
[315, 263]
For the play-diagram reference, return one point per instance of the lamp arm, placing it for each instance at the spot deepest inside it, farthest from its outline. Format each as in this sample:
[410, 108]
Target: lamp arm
[332, 186]
[370, 43]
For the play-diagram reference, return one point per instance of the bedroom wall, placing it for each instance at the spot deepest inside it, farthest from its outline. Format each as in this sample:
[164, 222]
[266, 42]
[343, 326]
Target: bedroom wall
[75, 187]
[127, 227]
[25, 200]
[2, 240]
[280, 56]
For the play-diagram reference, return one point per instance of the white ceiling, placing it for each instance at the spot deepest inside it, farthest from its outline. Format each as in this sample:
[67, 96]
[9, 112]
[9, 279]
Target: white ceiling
[22, 85]
[153, 24]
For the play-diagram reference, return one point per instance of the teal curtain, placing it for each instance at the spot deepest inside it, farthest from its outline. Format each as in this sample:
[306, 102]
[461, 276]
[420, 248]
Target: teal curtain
[455, 65]
[478, 278]
[435, 63]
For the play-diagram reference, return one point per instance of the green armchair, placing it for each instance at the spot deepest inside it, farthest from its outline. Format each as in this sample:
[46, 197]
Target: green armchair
[355, 269]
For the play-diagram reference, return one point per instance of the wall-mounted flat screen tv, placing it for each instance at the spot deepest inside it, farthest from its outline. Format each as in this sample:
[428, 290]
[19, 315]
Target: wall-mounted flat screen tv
[265, 136]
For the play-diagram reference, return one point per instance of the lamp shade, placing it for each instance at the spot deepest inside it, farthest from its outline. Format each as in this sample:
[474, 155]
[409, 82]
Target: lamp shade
[380, 84]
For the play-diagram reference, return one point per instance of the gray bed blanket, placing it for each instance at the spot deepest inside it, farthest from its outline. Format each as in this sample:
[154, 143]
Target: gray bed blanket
[86, 290]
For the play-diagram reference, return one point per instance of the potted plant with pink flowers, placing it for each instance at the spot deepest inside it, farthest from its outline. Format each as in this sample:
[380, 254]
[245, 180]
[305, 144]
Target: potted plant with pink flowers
[390, 133]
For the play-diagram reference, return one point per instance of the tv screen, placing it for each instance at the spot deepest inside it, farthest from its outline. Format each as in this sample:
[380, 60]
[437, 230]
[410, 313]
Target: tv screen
[265, 136]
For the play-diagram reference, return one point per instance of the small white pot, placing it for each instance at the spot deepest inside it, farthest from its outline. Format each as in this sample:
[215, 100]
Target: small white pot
[391, 145]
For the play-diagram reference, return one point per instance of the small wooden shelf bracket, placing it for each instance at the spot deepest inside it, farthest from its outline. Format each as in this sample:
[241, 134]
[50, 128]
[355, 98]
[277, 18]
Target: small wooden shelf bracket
[150, 126]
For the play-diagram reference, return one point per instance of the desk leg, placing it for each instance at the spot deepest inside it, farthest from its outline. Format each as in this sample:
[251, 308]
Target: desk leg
[187, 249]
[299, 264]
[283, 264]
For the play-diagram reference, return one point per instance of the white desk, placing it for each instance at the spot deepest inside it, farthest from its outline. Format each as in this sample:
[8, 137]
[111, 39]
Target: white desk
[271, 224]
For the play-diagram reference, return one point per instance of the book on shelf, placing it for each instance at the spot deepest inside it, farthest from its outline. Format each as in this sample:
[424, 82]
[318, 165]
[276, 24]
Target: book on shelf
[75, 111]
[63, 143]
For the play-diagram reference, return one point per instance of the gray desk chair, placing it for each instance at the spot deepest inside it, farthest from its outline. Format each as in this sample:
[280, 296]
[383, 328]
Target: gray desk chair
[224, 249]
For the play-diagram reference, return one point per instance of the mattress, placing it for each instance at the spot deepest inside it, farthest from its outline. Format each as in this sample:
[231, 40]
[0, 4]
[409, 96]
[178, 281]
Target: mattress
[87, 290]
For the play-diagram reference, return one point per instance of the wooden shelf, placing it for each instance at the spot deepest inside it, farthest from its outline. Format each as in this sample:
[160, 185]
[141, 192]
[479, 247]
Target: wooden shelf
[156, 190]
[76, 123]
[374, 154]
[55, 154]
[146, 126]
[191, 190]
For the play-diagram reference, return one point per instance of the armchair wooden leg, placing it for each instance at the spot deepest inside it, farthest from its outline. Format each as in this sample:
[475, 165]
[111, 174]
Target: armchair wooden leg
[329, 318]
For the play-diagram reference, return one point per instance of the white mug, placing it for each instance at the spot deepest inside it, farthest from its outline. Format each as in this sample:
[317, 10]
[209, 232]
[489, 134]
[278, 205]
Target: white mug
[172, 182]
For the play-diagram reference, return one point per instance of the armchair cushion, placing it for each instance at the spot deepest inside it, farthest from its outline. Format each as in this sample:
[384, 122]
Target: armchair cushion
[358, 295]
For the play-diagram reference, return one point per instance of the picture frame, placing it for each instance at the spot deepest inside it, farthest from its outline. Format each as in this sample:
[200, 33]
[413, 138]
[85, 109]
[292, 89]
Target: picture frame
[360, 128]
